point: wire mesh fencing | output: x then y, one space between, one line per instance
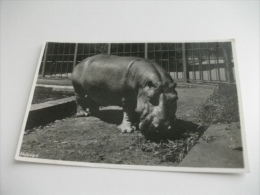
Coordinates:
188 62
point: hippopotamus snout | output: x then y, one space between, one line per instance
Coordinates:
162 117
155 128
162 124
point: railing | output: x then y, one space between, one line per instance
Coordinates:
188 62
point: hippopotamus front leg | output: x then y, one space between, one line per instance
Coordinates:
86 106
129 118
127 125
81 105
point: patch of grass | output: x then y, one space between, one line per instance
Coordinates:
221 106
169 151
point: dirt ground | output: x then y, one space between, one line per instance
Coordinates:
98 140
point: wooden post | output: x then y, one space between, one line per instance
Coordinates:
75 55
146 50
109 49
44 59
184 62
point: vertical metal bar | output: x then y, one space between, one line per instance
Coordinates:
109 48
193 60
168 56
209 66
75 55
68 62
185 68
137 50
124 49
66 55
53 56
141 53
177 71
154 52
63 53
130 50
61 67
200 65
146 50
129 53
57 54
89 47
218 65
159 54
44 59
83 52
228 67
176 60
51 59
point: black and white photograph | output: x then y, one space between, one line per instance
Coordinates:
129 97
169 106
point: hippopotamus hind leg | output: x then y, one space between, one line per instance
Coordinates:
85 106
92 107
81 105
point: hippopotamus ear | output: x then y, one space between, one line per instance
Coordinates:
141 101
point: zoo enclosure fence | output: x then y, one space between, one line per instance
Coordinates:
187 62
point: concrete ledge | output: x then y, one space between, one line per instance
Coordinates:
54 81
44 113
197 85
221 150
50 89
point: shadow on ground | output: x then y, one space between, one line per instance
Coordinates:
181 126
111 116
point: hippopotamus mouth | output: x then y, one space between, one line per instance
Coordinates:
159 130
148 125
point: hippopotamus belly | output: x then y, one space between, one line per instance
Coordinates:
144 90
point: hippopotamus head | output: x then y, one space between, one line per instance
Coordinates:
157 105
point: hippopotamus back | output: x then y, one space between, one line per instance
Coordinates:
106 78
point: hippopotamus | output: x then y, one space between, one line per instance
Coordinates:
145 91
